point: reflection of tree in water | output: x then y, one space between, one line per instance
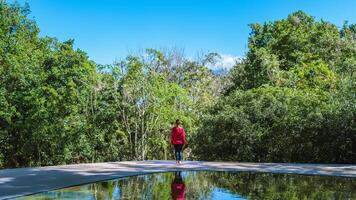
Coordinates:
285 186
97 191
198 186
159 186
103 190
146 187
201 185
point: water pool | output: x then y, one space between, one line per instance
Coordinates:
210 185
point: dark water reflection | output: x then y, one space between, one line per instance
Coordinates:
211 185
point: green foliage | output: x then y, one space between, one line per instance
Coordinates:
59 107
150 94
315 74
276 48
292 99
270 124
43 86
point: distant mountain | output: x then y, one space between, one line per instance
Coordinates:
220 71
224 63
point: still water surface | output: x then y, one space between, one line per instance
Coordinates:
210 185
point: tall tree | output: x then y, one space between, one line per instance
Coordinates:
291 100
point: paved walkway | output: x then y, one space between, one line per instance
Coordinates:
24 181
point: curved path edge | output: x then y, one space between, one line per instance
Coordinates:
25 181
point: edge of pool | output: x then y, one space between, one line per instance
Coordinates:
27 181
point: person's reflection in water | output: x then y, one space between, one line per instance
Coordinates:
178 187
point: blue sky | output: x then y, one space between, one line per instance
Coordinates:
111 29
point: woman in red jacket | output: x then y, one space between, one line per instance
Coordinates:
178 140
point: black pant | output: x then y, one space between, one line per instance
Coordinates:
178 151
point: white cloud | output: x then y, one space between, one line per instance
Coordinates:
225 62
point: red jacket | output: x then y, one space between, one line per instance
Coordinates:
178 136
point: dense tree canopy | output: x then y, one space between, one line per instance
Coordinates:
44 85
59 107
291 100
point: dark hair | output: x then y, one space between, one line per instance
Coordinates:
178 122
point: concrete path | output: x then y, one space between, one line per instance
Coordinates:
24 181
